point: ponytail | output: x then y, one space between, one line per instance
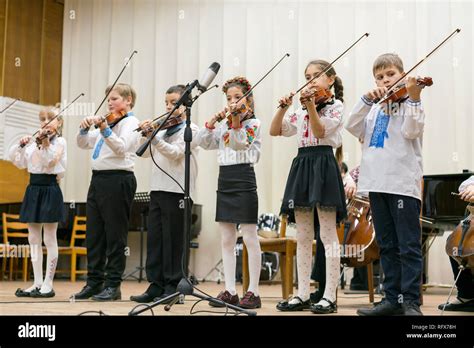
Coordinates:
338 89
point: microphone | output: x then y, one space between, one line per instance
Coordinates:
208 77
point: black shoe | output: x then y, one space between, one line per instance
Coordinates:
317 308
412 309
286 306
37 293
383 308
143 298
462 306
316 296
22 293
87 292
108 294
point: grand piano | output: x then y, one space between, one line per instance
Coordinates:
442 211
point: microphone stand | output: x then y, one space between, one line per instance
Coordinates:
185 286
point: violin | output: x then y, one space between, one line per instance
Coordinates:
243 110
111 118
460 244
400 92
49 133
157 123
357 235
320 95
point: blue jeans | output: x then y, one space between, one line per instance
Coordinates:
398 233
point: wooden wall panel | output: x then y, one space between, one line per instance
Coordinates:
50 88
3 22
23 50
13 182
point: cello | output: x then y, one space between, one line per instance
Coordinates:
460 243
357 235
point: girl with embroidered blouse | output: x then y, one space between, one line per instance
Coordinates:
237 140
314 189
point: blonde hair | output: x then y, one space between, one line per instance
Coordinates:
125 91
51 111
387 60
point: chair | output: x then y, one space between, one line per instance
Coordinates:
287 249
13 228
78 232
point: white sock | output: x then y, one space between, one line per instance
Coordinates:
52 259
36 253
304 252
327 221
249 232
229 238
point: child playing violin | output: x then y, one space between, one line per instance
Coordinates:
165 243
42 207
391 173
238 143
314 191
111 192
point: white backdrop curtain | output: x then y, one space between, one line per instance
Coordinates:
177 41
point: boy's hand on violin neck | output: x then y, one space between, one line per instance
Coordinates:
414 91
146 127
376 93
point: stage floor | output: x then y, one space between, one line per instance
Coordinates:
61 305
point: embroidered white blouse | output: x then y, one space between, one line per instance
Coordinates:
298 123
235 146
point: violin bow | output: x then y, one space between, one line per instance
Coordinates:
9 106
55 117
329 66
415 66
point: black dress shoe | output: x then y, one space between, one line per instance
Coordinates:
87 292
412 309
143 298
22 293
383 308
287 306
37 293
328 308
108 294
462 306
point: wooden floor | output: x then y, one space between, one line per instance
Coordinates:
61 305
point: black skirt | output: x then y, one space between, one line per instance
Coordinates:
43 201
314 181
237 199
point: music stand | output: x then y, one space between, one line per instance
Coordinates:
142 198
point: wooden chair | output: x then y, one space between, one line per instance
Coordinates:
13 228
287 249
78 232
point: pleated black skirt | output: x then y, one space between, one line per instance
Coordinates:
314 181
43 201
237 199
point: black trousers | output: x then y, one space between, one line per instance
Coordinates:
165 242
109 201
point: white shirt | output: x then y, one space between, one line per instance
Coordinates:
118 149
168 152
392 158
50 160
236 146
466 183
299 123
